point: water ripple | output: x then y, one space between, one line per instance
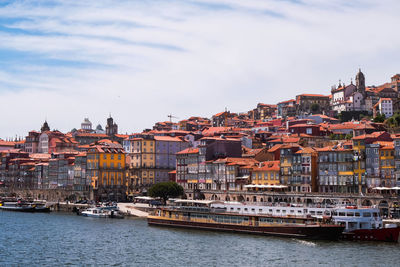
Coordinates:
63 239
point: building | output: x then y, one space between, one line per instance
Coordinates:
111 127
304 176
351 97
86 125
287 153
55 141
32 142
312 104
266 173
387 164
106 170
187 170
286 108
166 148
384 106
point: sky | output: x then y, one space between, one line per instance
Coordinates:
139 61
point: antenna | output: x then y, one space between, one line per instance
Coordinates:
170 116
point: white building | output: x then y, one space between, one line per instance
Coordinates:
384 106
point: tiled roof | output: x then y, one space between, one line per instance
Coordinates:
268 166
189 150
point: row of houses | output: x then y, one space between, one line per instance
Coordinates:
364 164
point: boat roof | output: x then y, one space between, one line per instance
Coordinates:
206 202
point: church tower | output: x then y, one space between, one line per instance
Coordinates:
45 127
111 127
360 82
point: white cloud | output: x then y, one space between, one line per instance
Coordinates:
145 59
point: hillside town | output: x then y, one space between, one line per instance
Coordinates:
345 142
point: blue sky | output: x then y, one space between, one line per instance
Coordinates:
142 60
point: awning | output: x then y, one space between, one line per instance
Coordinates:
144 198
380 188
243 177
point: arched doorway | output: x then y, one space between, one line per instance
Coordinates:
384 208
227 198
366 203
240 198
214 197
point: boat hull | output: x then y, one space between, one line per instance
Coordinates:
315 232
384 234
20 209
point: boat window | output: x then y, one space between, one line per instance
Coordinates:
357 214
334 213
259 210
278 210
245 209
270 210
238 208
283 211
299 211
291 211
375 214
319 212
253 209
350 214
366 214
312 212
342 214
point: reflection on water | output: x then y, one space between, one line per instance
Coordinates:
64 239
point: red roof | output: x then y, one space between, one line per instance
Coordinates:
189 150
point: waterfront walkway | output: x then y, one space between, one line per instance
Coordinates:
133 209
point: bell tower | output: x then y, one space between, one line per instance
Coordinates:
360 82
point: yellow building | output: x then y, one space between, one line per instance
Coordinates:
106 168
267 173
359 161
142 162
387 165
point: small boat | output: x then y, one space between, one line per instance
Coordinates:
41 207
103 212
201 214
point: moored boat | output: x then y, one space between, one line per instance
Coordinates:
17 206
361 223
103 212
365 224
198 214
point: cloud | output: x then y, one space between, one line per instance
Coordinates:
142 60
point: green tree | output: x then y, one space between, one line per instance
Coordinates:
379 118
166 190
349 136
314 108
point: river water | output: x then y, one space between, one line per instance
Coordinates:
59 239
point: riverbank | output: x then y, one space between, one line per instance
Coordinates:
128 209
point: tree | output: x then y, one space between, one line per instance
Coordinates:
166 190
314 108
349 136
379 118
